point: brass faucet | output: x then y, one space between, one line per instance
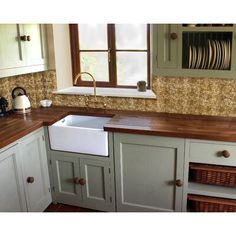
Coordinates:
94 81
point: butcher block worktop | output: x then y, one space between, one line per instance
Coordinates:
16 126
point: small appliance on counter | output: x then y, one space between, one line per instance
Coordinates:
21 103
3 106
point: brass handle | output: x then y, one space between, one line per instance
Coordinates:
30 179
178 183
225 154
82 181
76 180
23 38
173 35
28 38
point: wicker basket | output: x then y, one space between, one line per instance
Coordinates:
199 203
213 174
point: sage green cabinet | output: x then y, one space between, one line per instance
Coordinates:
83 180
12 198
148 170
165 46
23 49
211 153
195 50
35 171
24 178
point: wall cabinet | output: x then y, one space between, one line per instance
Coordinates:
24 175
194 50
149 172
23 49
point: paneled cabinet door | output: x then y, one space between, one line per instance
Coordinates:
12 197
165 46
66 176
149 172
97 184
10 47
34 46
35 172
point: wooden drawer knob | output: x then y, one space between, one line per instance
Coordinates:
178 183
30 179
225 154
28 38
82 181
76 180
173 35
23 38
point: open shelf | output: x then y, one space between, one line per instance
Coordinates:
211 190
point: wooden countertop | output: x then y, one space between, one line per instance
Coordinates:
16 126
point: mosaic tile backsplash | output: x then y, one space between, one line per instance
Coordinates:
201 96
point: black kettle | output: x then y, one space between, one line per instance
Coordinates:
3 106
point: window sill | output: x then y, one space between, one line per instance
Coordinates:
109 92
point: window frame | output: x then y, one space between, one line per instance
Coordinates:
75 57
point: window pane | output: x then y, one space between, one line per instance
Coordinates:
131 67
95 63
93 36
131 36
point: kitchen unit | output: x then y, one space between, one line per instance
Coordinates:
24 174
148 156
197 50
152 160
23 49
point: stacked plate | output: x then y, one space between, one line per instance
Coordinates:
216 55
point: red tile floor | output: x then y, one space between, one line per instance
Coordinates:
66 208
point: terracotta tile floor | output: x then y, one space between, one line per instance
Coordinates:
66 208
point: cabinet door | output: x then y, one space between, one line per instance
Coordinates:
147 168
165 46
10 47
34 45
35 172
66 173
97 185
12 197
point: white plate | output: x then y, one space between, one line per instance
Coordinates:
222 55
206 57
199 56
229 53
190 57
213 62
218 55
203 58
194 57
209 54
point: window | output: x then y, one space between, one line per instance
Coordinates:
117 55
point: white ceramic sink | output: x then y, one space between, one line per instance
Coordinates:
81 134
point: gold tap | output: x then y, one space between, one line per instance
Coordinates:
94 81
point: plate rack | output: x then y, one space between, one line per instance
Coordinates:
207 50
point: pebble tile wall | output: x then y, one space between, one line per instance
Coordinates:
201 96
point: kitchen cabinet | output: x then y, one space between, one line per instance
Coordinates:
198 50
165 45
35 172
12 198
24 178
149 172
83 180
208 172
23 49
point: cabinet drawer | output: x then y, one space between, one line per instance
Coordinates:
212 152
